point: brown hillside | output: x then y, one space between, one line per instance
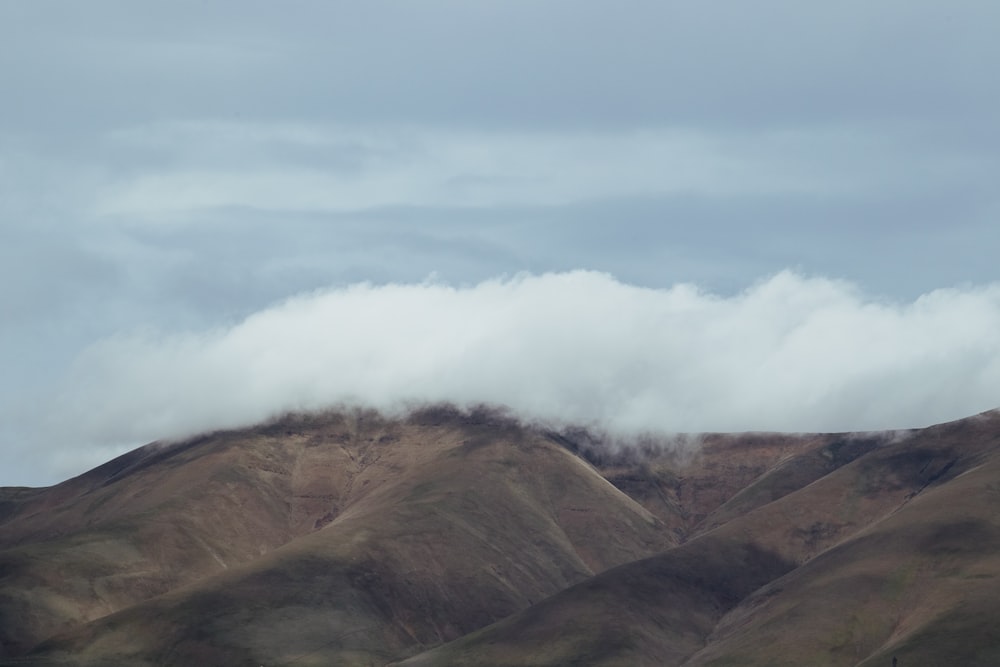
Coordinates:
893 553
467 538
423 529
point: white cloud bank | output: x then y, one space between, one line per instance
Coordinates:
790 353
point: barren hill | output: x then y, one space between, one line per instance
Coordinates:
450 537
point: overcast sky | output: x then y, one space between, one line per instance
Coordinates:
658 215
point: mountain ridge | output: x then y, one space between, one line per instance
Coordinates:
355 538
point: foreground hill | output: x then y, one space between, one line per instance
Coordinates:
449 537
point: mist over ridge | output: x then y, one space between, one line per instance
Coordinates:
789 353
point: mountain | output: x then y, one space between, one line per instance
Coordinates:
451 537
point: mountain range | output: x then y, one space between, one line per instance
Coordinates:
466 537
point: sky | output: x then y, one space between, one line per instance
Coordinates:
644 216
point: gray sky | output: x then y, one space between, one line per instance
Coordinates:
169 170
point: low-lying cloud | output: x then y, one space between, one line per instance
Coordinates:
790 353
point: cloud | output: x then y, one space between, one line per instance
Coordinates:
181 168
789 353
302 167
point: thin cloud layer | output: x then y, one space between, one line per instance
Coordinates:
790 353
359 168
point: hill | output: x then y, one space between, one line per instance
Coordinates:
465 537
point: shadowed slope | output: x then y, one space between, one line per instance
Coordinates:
656 611
695 484
921 584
